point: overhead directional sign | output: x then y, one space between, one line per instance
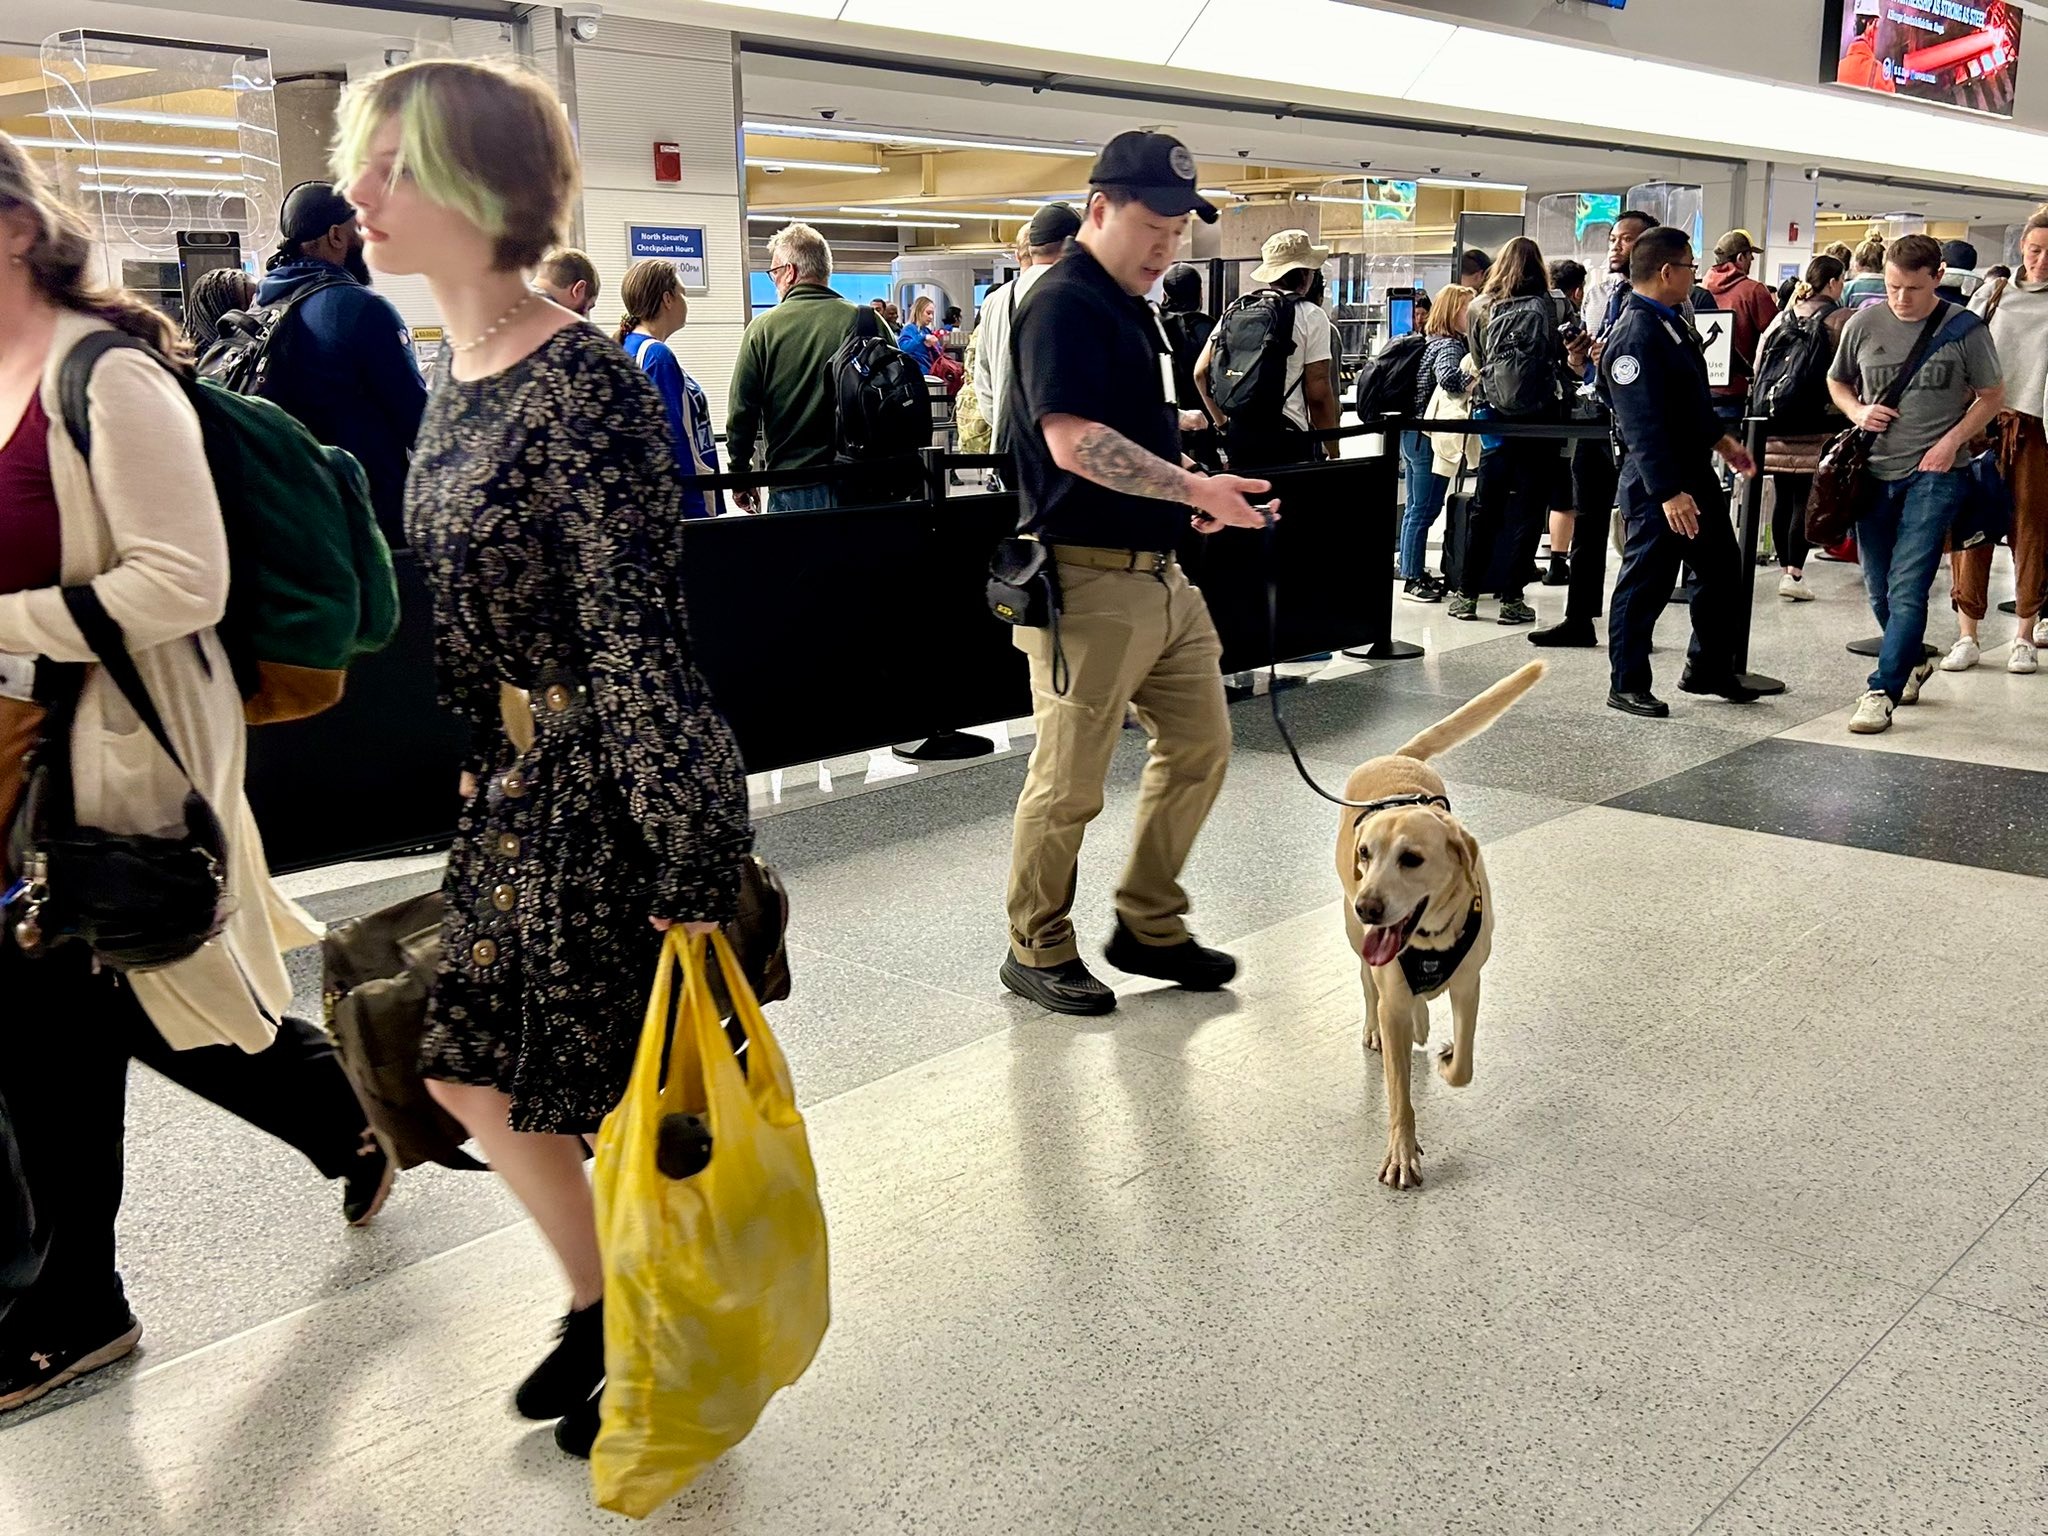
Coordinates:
1717 338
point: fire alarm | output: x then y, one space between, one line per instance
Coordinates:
668 162
1792 234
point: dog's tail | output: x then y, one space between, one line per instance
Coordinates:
1469 720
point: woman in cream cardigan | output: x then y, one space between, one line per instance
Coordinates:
143 528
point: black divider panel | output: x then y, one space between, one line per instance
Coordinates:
1330 553
813 628
973 672
377 772
822 633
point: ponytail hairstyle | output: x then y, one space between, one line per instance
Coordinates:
644 289
60 261
1820 272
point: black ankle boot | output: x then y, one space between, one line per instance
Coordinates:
564 1381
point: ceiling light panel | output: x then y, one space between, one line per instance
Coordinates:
805 218
1142 33
782 163
830 133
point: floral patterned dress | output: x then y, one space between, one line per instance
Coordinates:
544 505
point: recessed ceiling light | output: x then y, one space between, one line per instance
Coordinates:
869 136
804 218
774 163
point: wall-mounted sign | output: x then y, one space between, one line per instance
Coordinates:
681 244
1956 53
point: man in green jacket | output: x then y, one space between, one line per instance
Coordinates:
781 402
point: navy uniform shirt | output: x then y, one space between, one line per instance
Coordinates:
1654 377
1081 346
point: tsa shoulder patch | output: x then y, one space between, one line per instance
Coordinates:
1626 370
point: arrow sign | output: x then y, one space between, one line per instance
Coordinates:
1718 342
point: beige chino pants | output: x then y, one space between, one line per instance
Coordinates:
1137 638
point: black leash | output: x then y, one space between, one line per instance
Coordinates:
1280 724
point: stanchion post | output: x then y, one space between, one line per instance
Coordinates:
1747 543
947 745
1380 605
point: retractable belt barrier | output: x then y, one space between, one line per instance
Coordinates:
829 632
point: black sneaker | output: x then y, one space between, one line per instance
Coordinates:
365 1189
1726 686
1186 964
577 1431
564 1381
1067 988
44 1360
1422 590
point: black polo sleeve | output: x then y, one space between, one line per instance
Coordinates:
1060 335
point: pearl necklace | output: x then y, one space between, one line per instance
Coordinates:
497 325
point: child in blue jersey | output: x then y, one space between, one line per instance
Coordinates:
655 310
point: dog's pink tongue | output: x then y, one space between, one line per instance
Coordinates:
1382 944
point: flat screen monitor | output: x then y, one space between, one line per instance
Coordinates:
1954 53
1400 314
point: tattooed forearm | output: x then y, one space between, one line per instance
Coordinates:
1109 458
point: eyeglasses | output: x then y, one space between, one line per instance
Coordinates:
1684 266
786 266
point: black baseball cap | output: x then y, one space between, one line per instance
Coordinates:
1157 167
311 209
1052 224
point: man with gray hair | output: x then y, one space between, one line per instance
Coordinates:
1045 238
780 412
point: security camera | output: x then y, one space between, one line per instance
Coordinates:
583 18
396 51
1811 173
1244 154
1365 165
828 113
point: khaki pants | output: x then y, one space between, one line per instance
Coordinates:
2025 456
1134 638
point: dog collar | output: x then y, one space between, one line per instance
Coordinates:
1429 971
1394 802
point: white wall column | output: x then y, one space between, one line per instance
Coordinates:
640 83
1794 203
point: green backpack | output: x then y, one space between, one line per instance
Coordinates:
310 585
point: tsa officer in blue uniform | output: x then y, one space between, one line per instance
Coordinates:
1654 377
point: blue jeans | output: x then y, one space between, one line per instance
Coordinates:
802 498
1426 491
1899 542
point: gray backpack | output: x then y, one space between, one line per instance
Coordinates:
1521 374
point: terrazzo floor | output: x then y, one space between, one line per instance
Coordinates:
1742 1227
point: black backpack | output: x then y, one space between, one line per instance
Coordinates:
1387 385
1248 354
1520 377
882 408
252 341
1790 390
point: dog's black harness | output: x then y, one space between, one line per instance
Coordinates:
1429 971
1395 802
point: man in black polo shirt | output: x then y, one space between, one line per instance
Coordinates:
1092 418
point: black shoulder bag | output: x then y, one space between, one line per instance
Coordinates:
137 902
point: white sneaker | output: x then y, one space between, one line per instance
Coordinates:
1961 656
2024 658
1910 694
1794 588
1873 713
2041 630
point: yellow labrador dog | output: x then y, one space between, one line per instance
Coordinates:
1418 909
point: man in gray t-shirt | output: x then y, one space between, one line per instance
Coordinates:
1875 347
1917 456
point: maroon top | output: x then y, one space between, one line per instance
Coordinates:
31 544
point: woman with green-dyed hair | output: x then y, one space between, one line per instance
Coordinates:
543 503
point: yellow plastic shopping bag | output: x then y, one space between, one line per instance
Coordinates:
716 1288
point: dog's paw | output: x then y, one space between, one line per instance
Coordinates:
1403 1166
1453 1071
1372 1039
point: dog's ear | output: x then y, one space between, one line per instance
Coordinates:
1466 847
